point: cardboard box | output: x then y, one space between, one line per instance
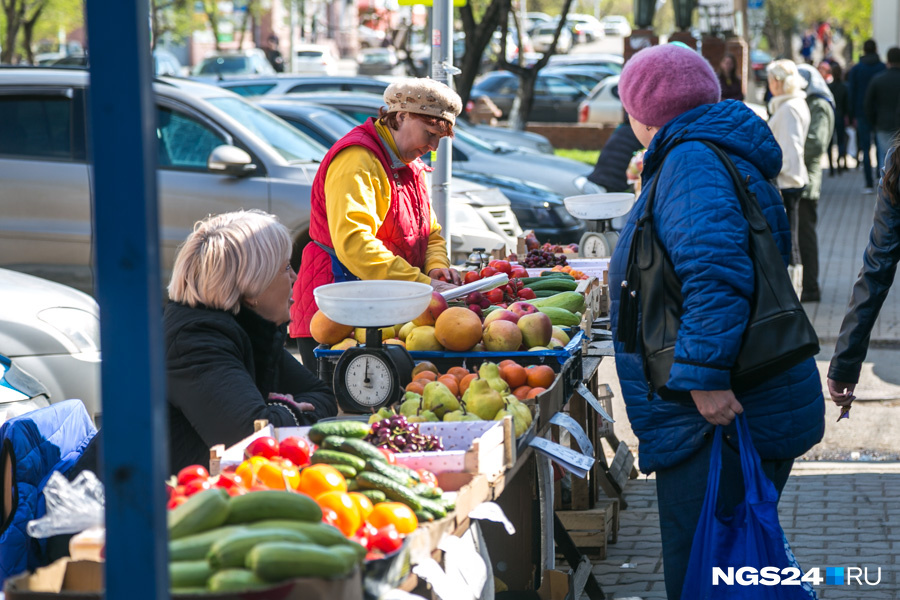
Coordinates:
83 580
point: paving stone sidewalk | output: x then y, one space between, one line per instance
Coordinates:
834 515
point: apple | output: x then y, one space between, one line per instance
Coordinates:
502 336
502 266
536 329
436 306
523 308
503 315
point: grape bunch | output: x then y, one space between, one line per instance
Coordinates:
541 258
399 435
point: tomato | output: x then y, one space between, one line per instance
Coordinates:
363 538
494 296
197 485
363 504
348 519
518 272
471 276
387 539
229 480
316 480
527 294
488 272
295 450
388 455
395 514
188 474
277 477
262 446
248 469
329 516
176 501
427 477
502 266
374 555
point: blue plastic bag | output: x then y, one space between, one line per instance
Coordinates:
752 537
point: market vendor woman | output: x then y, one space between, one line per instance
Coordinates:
224 338
371 212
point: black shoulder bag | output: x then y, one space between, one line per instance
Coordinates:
778 334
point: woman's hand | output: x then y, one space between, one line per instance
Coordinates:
719 407
441 286
841 393
446 276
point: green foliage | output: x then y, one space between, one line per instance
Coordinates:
65 15
586 156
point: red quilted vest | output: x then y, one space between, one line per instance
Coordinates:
404 232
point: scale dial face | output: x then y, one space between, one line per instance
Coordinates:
595 245
368 380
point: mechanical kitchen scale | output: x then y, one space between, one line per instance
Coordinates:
598 210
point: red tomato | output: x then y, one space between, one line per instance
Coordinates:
387 539
262 446
388 455
427 477
494 296
188 474
170 492
176 501
364 536
329 516
197 485
487 272
527 294
295 450
229 481
518 272
374 555
471 276
502 266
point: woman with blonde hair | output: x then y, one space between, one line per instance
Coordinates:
225 330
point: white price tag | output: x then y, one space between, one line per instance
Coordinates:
592 400
567 458
491 511
575 430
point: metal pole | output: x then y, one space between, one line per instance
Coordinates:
442 70
122 119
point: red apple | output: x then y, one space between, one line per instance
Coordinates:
523 308
503 315
518 272
435 308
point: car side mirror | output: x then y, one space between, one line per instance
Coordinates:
230 160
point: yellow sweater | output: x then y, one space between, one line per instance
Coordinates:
357 198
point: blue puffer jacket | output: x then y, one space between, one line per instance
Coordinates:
38 443
698 219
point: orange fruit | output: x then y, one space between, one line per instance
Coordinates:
465 381
521 392
363 504
506 363
514 375
348 519
540 376
458 372
451 383
394 513
534 392
427 375
417 387
326 331
316 480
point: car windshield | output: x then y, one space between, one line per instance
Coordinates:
310 54
549 30
291 144
224 65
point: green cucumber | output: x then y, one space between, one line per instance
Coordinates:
273 504
556 274
279 561
347 429
189 573
347 471
235 580
391 489
432 506
375 496
401 475
231 551
196 547
362 449
544 293
201 512
320 533
424 516
559 284
428 491
332 442
336 457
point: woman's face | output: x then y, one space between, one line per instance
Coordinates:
274 304
414 137
642 132
776 86
727 64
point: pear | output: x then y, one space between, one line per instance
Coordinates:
429 417
438 398
518 424
491 372
411 405
520 409
453 416
483 400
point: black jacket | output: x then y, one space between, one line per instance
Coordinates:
869 291
609 171
221 369
883 100
841 100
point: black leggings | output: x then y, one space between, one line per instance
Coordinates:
306 347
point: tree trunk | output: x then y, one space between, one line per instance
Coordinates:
478 35
12 31
154 25
212 13
28 32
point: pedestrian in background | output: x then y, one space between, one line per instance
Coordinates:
807 46
869 292
672 98
881 105
821 128
833 74
732 88
273 54
858 80
790 125
612 164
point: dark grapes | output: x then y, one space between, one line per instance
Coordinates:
397 434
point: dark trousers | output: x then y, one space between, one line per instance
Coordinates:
680 491
306 347
864 144
839 139
791 197
809 244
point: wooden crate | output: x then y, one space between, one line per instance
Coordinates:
593 529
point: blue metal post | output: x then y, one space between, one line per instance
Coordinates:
128 287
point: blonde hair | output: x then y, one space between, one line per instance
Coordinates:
785 71
228 258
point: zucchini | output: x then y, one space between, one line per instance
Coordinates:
278 561
556 274
203 511
375 496
391 489
571 301
196 547
348 472
362 449
560 316
544 293
189 573
336 457
234 580
332 442
347 429
231 551
273 504
560 284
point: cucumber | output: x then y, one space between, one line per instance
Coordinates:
560 284
560 316
332 442
196 547
231 551
391 489
544 293
362 449
189 573
375 496
424 490
348 472
278 561
556 274
424 516
273 504
389 471
336 457
233 580
433 506
348 554
347 429
320 533
203 511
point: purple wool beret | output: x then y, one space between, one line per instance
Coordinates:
662 82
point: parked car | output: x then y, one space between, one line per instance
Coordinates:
49 345
556 97
542 209
610 61
603 105
585 28
616 25
378 61
370 38
164 63
239 62
759 60
317 59
534 19
587 76
291 84
470 154
542 37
